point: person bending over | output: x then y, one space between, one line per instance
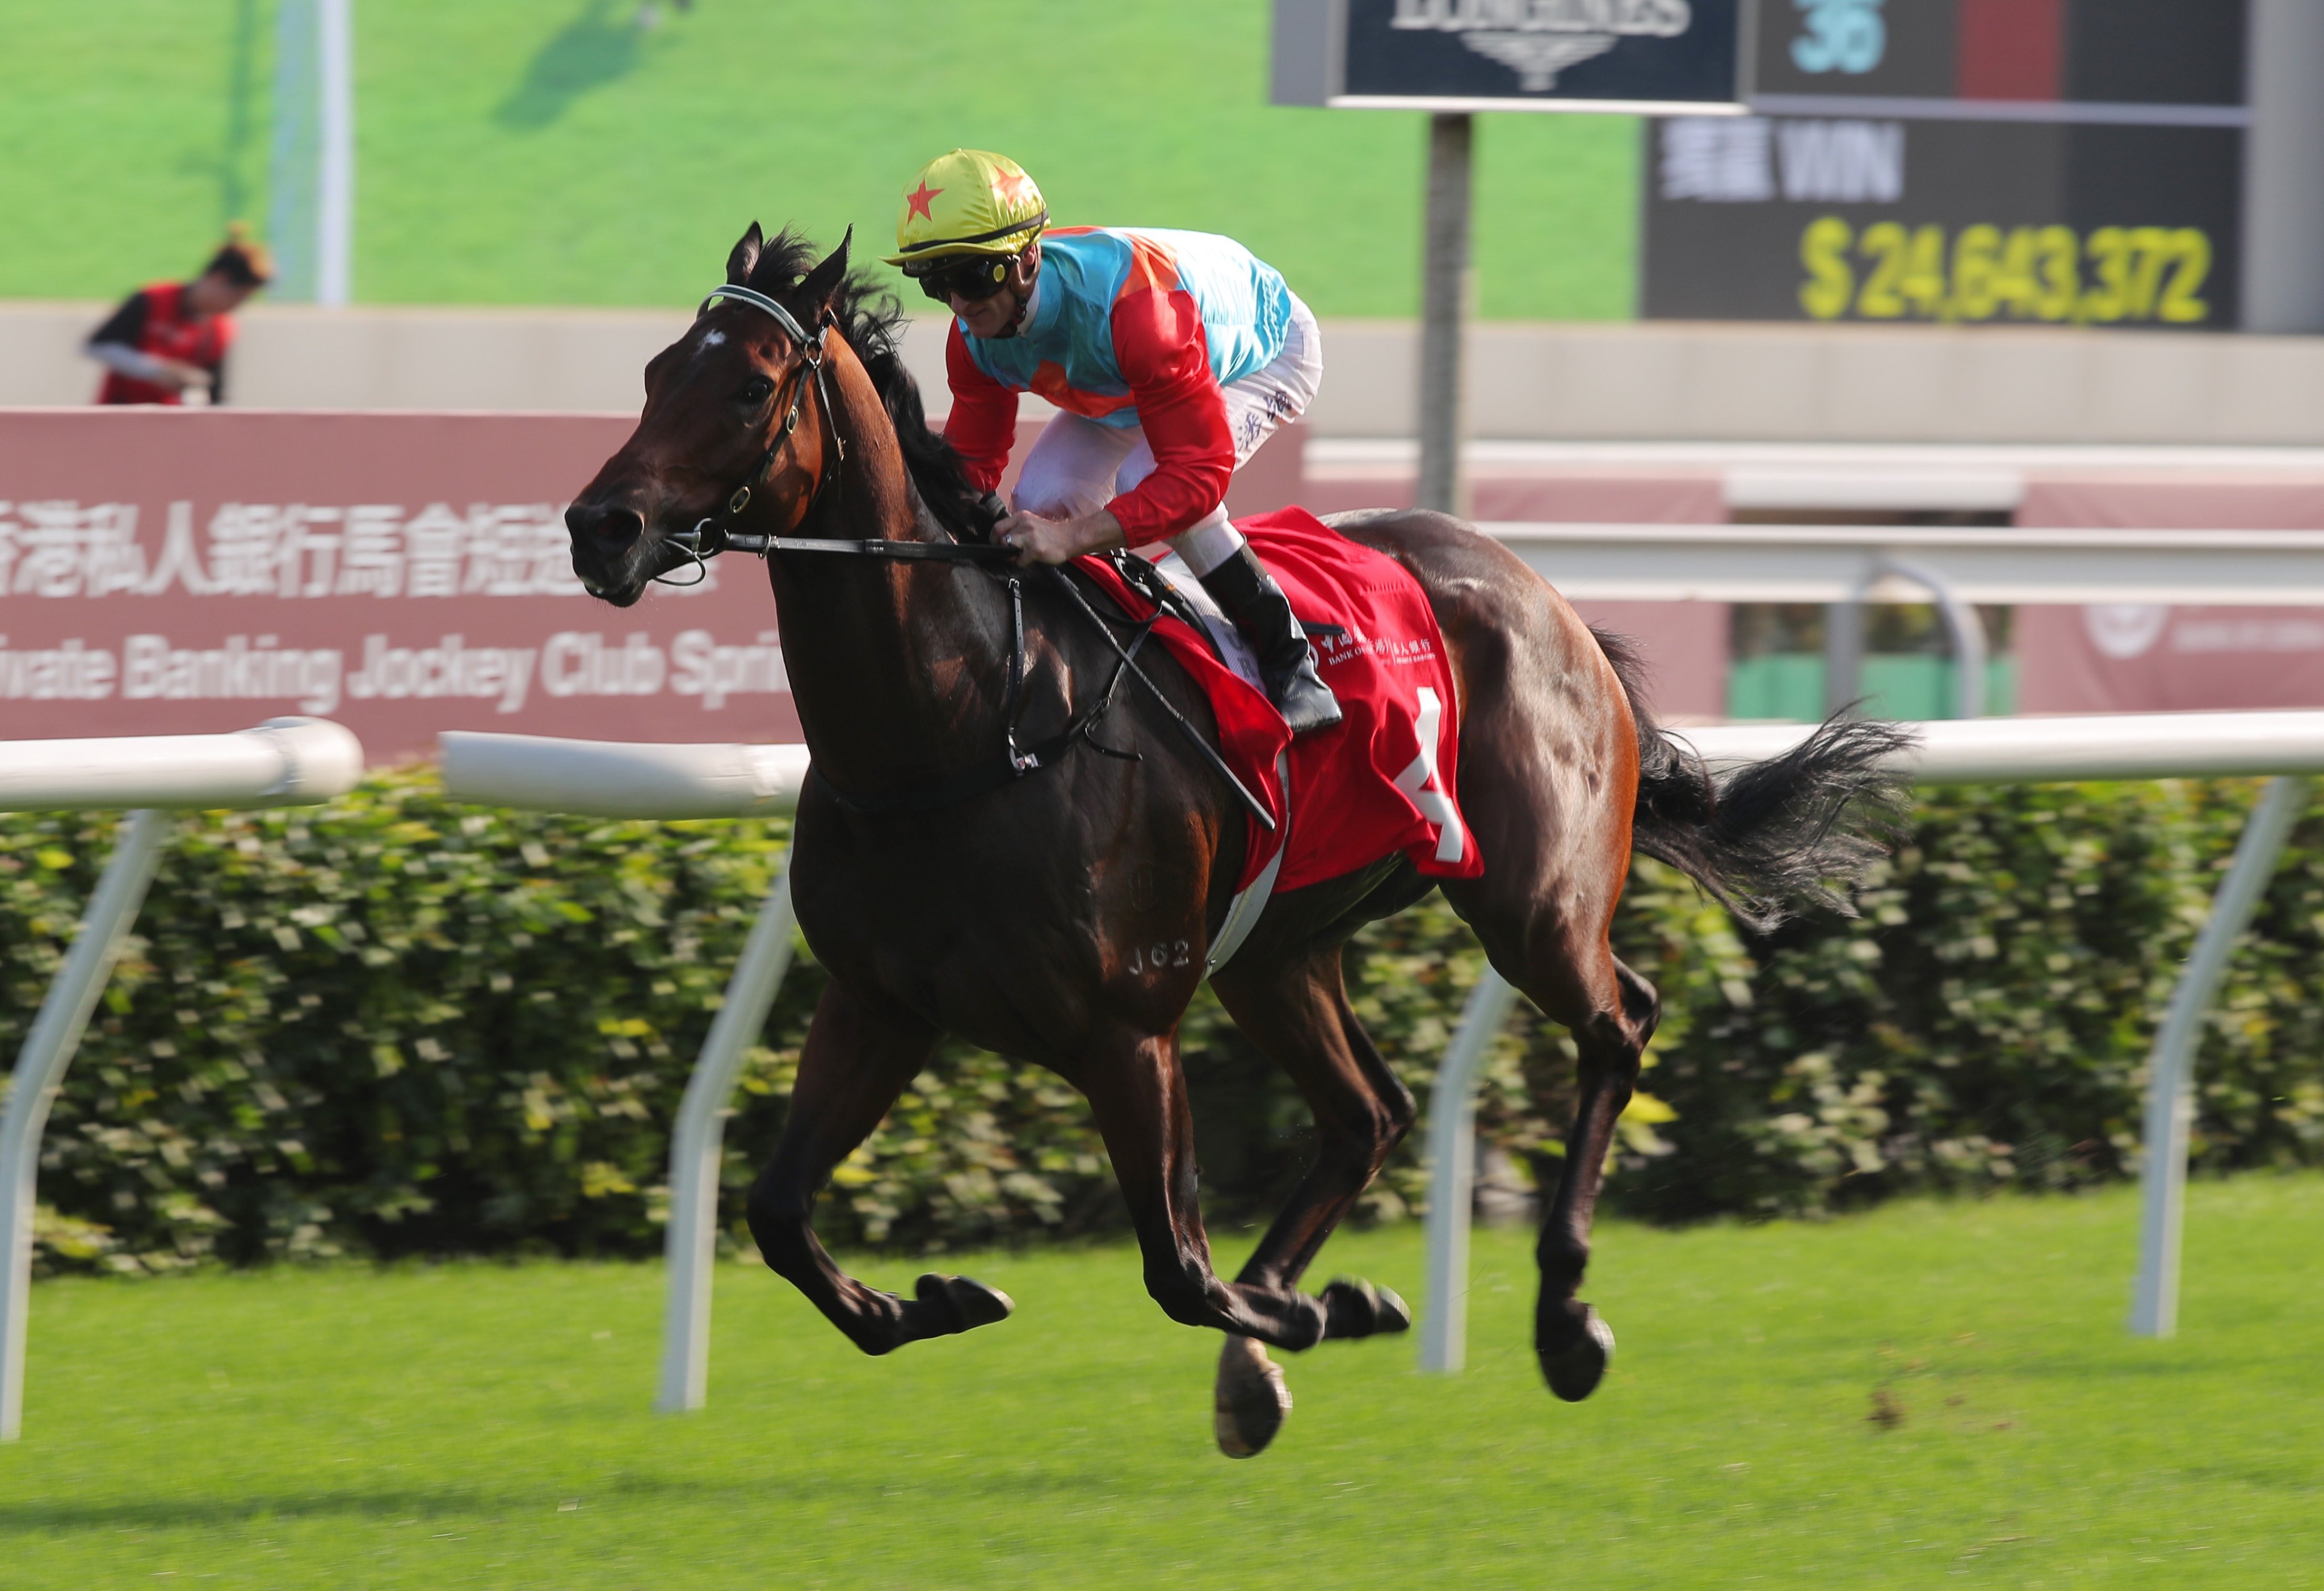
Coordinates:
174 335
1173 355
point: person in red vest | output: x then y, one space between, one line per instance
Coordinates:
174 335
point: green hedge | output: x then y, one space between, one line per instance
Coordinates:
394 1025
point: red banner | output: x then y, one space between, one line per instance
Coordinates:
177 572
2146 658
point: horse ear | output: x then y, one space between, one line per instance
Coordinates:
823 281
745 257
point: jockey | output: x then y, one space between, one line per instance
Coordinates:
1172 355
172 336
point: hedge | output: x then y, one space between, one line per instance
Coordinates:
396 1026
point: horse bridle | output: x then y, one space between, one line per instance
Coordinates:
714 534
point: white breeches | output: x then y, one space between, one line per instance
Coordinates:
1077 466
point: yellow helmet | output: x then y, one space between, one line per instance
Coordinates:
968 202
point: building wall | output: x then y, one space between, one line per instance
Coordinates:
1667 382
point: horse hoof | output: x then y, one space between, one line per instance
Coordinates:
965 1304
1574 1370
1357 1309
1252 1401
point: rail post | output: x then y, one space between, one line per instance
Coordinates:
283 763
617 778
1444 313
695 1156
2170 1071
1452 1172
1844 638
40 1070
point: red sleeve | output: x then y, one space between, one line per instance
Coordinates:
1161 350
982 424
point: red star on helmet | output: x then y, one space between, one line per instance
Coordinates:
918 200
1011 187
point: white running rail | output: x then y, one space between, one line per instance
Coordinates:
2289 746
613 778
2002 563
283 762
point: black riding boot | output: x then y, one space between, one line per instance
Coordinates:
1251 597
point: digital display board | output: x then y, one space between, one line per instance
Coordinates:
2001 57
1815 218
1508 54
2034 161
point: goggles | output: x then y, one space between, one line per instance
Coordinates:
974 277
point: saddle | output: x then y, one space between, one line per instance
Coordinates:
1382 779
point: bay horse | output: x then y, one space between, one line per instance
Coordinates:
1013 910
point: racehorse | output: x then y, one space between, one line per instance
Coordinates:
946 889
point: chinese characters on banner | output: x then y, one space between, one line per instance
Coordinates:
188 572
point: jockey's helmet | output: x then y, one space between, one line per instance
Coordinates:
968 202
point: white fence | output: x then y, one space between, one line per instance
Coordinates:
292 761
2002 564
607 779
284 762
1987 751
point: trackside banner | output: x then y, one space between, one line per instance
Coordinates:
189 571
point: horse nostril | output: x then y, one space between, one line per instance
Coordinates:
617 528
612 528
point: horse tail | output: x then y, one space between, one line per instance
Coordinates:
1772 837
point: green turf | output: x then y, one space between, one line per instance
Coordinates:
479 1425
547 152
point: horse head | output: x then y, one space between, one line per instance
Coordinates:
734 424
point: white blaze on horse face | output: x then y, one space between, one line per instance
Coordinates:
710 339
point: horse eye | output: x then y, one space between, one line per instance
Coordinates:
757 389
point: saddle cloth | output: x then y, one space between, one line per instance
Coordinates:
1384 779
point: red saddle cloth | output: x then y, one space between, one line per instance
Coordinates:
1383 780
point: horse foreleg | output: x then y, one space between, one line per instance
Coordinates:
1139 1096
858 1057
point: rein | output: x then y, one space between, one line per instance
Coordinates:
715 534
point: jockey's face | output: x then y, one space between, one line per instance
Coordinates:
997 315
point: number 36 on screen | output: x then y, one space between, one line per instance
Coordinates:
1890 272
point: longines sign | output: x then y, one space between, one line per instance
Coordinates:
1629 55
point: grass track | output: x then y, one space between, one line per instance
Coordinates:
546 152
477 1425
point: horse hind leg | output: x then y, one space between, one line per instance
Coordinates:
858 1057
1572 1343
1298 1015
1567 967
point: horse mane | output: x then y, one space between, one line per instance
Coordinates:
872 321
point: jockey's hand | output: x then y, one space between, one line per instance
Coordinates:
1058 541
